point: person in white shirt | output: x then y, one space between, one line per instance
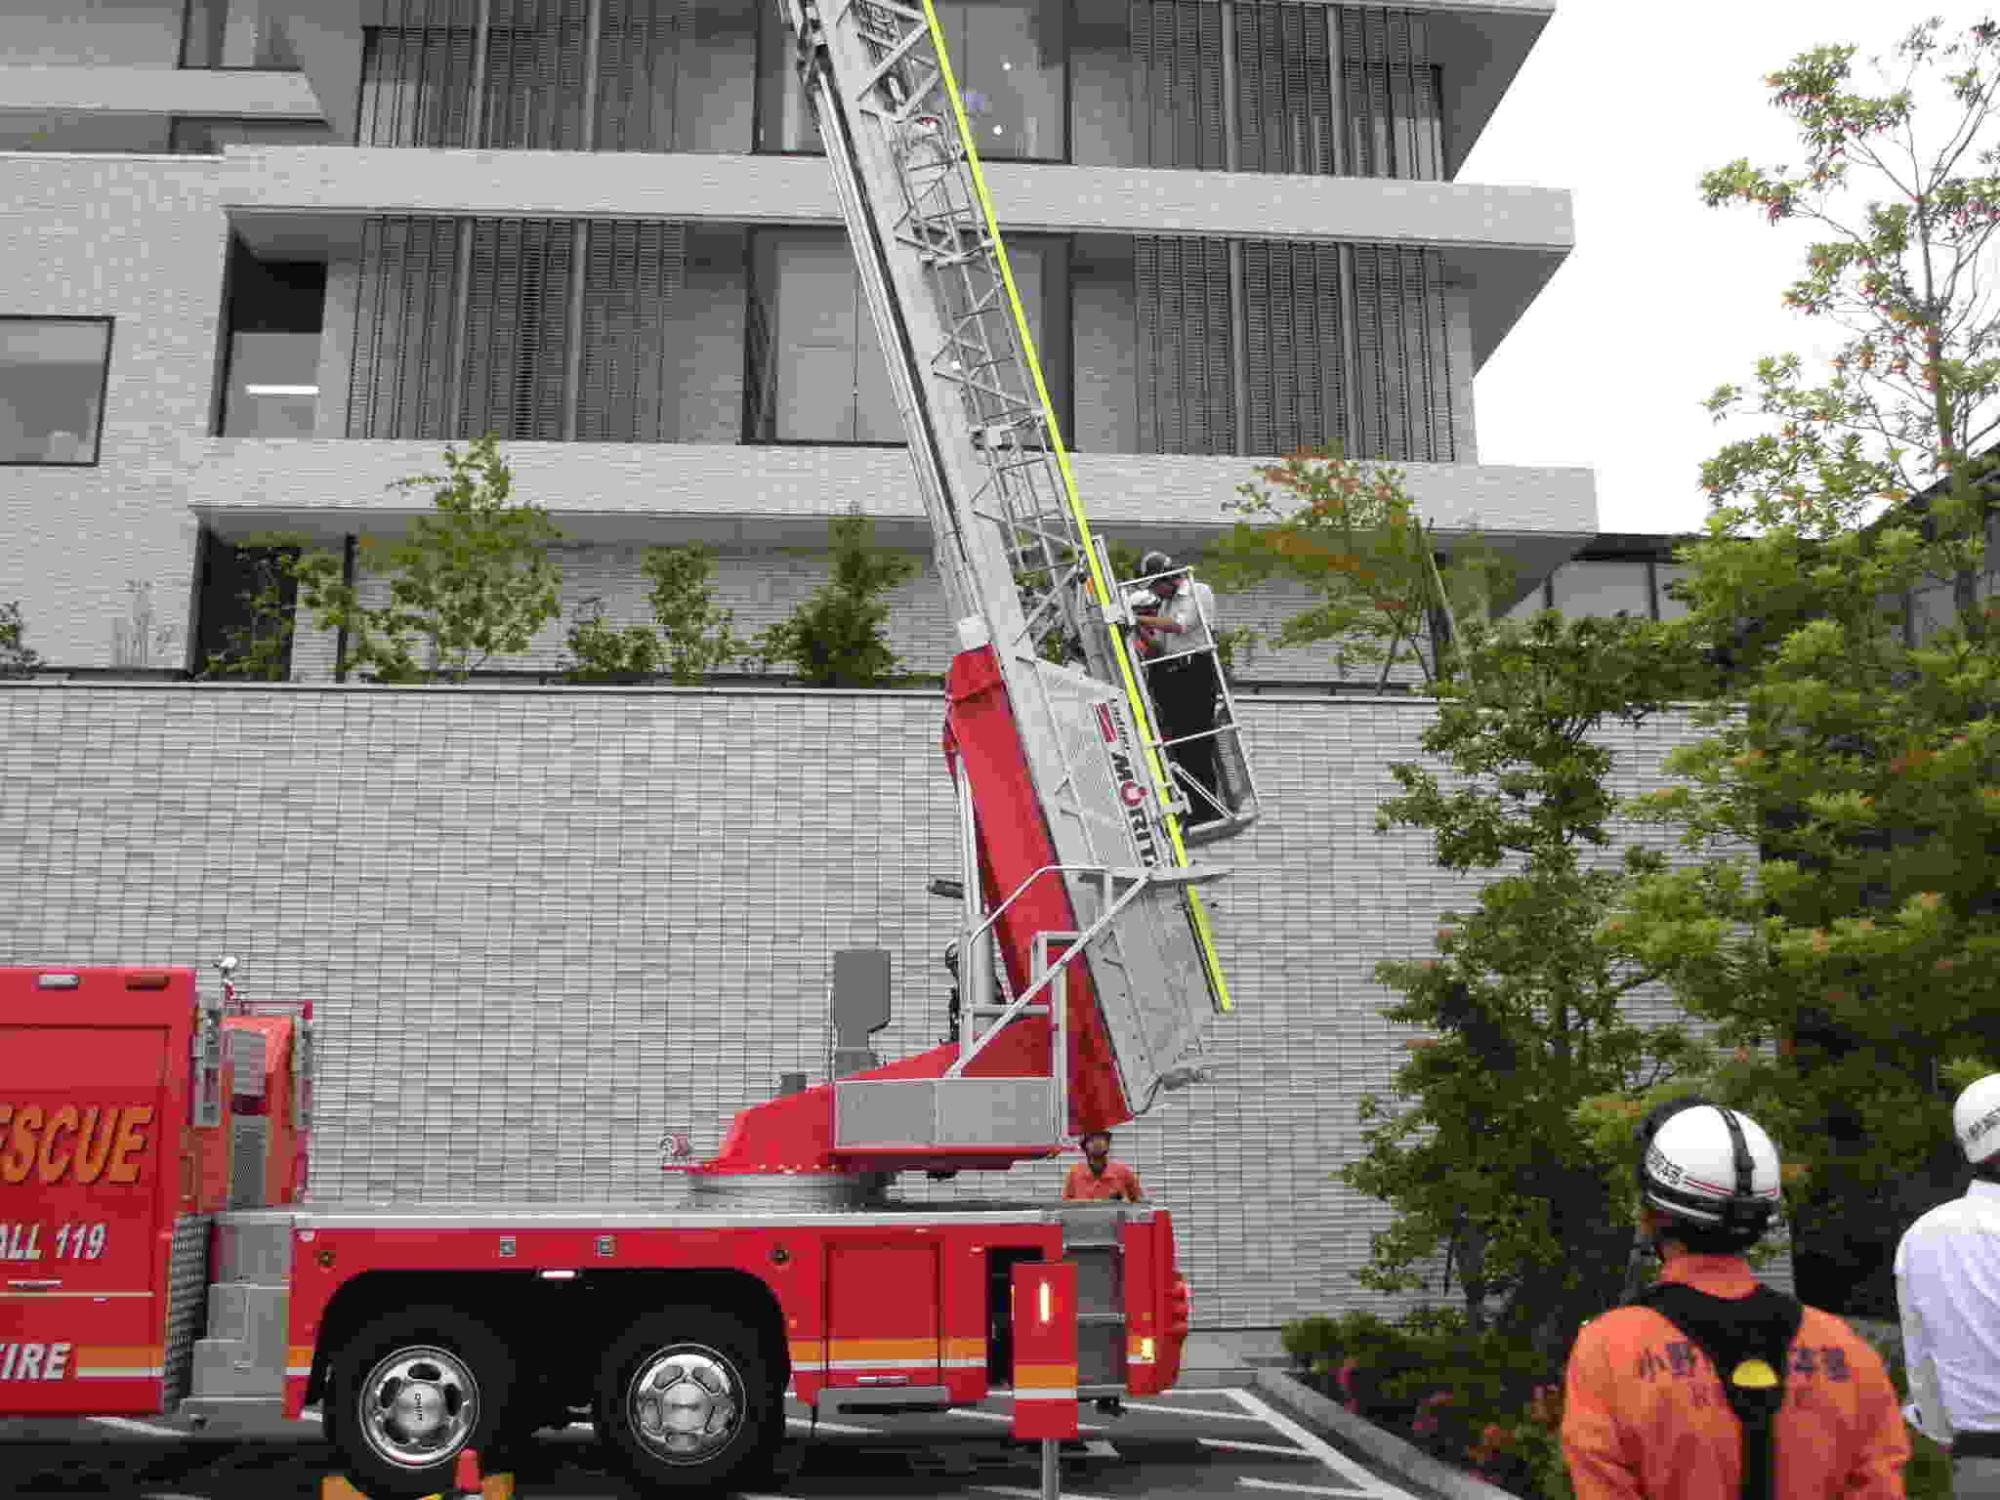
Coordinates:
1184 686
1948 1293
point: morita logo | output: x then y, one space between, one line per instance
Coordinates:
1130 791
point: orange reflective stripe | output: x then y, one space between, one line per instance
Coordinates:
112 1361
920 1351
1044 1377
889 1351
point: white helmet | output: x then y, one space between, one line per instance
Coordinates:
1704 1164
1975 1119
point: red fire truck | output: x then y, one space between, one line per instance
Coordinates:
159 1251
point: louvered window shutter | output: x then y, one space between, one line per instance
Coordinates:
1284 113
1394 117
416 74
1177 68
1186 394
517 329
1252 94
1404 353
534 74
638 73
633 277
1292 298
402 340
1368 352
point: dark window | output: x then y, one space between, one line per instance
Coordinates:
273 319
234 34
53 373
245 605
618 353
670 75
1150 84
817 373
195 135
1007 55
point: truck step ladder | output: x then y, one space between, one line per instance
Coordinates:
1022 572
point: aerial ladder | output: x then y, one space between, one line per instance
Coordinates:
1086 953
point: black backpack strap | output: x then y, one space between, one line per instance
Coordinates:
1748 1341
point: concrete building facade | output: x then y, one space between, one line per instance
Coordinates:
274 256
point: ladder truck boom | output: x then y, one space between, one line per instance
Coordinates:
1077 873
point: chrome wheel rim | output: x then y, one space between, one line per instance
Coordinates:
418 1406
684 1403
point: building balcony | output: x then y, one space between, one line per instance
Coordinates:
1499 244
663 494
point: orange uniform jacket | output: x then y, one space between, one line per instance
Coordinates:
1645 1417
1118 1181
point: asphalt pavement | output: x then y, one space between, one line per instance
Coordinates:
1199 1444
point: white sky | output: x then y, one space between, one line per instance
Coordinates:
1663 299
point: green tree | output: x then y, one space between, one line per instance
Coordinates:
611 653
1486 1164
699 635
691 637
16 659
471 581
1864 939
839 637
1351 534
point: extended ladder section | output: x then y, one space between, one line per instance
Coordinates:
1030 588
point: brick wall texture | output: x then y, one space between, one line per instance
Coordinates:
545 925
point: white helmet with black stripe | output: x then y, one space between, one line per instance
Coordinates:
1706 1165
1975 1120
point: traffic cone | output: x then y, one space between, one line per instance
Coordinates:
468 1483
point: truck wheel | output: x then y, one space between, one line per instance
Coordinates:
688 1401
410 1390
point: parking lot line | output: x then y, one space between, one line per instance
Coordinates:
1319 1448
1230 1446
128 1424
1193 1411
1021 1494
1003 1416
1298 1489
839 1427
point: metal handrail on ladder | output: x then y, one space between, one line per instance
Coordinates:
1139 880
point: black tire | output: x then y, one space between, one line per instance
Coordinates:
693 1349
464 1364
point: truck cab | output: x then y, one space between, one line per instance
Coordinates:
133 1110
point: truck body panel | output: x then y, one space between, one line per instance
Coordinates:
98 1169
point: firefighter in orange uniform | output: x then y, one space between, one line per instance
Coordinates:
1808 1410
1097 1177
